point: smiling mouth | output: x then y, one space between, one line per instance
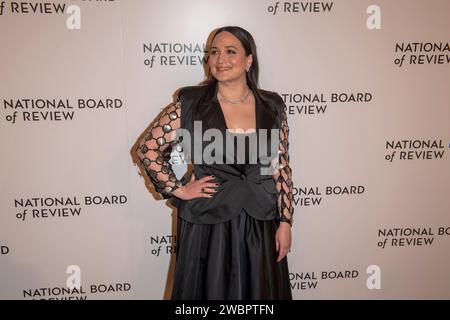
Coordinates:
223 69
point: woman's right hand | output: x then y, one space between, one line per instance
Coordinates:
200 188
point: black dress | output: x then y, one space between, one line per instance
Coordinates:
231 260
226 245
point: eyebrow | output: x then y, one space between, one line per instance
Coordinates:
225 47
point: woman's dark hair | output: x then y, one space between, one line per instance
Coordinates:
249 45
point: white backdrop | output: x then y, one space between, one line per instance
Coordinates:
366 87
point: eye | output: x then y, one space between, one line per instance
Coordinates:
214 52
230 51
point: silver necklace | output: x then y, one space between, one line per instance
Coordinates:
235 101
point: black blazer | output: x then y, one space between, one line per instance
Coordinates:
241 186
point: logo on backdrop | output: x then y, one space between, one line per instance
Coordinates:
426 149
4 250
71 11
173 54
44 7
44 208
35 7
76 293
410 236
312 195
306 7
74 289
38 110
421 53
311 280
310 104
162 244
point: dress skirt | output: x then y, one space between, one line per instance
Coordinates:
232 260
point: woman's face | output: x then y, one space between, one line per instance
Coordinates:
227 60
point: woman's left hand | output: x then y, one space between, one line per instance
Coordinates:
283 240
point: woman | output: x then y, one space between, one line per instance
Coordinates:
234 218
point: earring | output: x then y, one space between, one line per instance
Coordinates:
247 68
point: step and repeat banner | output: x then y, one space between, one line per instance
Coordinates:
366 86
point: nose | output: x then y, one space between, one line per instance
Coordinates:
220 58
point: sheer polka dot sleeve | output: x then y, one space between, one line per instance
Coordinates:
155 147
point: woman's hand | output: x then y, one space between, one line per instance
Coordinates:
283 240
200 188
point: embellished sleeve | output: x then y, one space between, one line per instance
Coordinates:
283 176
155 147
